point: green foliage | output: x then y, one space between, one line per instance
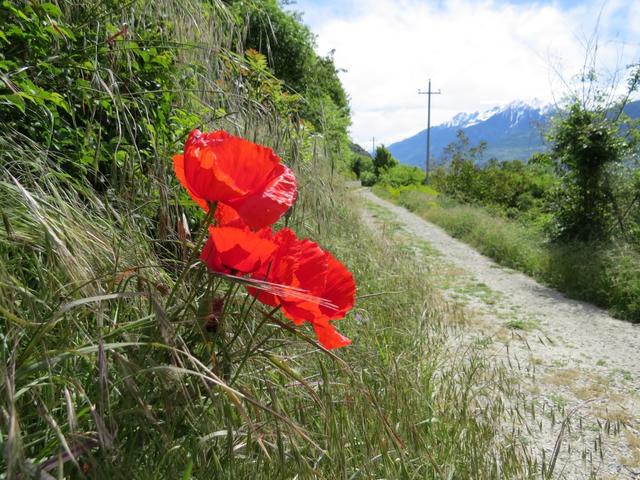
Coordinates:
402 175
459 176
514 189
607 274
288 46
383 160
367 179
361 164
89 105
587 148
263 87
360 160
279 35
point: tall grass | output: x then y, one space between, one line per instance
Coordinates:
607 274
122 359
98 368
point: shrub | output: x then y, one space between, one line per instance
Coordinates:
586 146
367 179
402 176
383 160
361 164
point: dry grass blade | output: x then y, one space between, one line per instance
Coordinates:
96 299
278 289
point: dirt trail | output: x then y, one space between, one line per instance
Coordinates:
577 363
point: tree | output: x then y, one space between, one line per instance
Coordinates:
383 160
587 145
361 164
289 47
462 179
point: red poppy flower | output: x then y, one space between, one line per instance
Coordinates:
237 250
218 167
327 287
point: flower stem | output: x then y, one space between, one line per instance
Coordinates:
194 253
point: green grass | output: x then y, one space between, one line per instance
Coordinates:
99 356
523 324
605 274
104 371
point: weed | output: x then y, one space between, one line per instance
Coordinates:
523 324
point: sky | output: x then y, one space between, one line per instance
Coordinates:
479 53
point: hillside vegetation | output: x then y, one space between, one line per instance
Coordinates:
122 357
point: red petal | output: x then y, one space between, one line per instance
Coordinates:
266 206
300 264
340 289
211 257
329 337
221 167
303 265
281 267
300 312
227 216
178 167
233 249
333 283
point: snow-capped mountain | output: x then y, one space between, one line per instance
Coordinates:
512 131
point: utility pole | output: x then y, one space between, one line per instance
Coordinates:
429 92
373 146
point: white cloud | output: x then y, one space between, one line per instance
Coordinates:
480 53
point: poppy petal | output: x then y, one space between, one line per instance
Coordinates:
279 269
227 216
329 337
178 168
300 312
221 167
266 206
340 289
327 284
231 249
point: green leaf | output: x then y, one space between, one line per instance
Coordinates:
58 101
51 9
187 471
15 100
17 12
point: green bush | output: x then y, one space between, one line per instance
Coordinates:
588 150
402 176
361 164
368 179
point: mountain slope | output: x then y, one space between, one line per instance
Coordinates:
512 132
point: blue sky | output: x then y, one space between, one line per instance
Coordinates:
480 53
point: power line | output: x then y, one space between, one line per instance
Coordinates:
429 92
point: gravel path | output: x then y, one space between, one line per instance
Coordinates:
580 366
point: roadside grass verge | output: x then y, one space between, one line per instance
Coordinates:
102 374
607 275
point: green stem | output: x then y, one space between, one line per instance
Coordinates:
194 253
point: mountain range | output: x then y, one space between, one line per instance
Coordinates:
512 132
